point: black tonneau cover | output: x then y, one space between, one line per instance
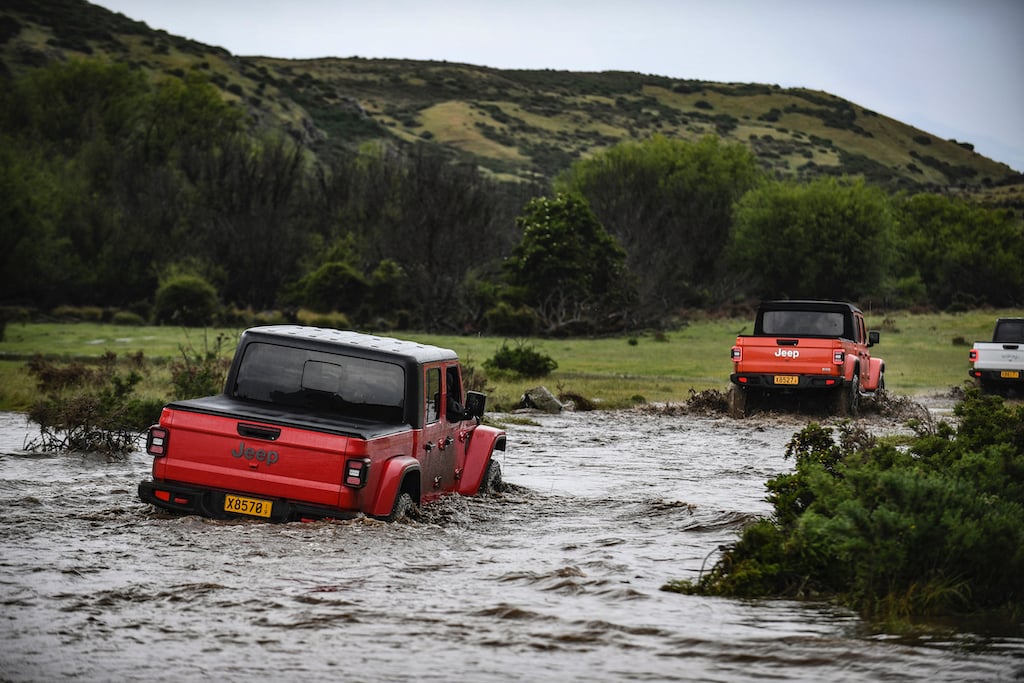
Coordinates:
266 413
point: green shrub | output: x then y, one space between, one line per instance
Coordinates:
933 529
522 360
334 286
127 318
90 408
200 373
184 299
506 319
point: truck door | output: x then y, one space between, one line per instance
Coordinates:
863 354
440 442
456 416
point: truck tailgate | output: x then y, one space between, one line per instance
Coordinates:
236 454
997 356
784 355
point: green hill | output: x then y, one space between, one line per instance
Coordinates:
521 125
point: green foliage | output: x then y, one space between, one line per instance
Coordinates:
98 158
90 409
334 286
936 528
828 239
504 318
127 318
668 202
960 251
522 360
567 267
186 299
200 373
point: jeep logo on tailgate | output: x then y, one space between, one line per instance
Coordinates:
250 453
787 353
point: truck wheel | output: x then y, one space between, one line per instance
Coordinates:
492 482
402 507
737 402
848 398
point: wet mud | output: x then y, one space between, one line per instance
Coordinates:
556 579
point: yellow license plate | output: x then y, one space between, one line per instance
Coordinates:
1010 374
248 506
787 379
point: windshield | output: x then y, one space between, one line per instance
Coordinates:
322 382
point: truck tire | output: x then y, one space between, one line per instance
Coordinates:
737 402
492 482
848 398
402 507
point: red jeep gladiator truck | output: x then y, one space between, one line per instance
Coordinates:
320 423
805 346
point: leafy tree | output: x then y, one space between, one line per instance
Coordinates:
828 239
433 226
567 267
961 253
669 204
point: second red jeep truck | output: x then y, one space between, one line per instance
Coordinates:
806 346
321 423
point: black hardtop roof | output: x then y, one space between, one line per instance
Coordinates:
807 305
352 343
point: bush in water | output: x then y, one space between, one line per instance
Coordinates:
932 528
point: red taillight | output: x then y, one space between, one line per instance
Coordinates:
839 357
156 441
737 354
162 495
972 355
741 380
356 472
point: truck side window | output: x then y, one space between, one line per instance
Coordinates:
433 395
454 410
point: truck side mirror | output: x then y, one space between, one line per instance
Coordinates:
475 403
873 337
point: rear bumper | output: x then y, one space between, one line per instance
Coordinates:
996 376
759 380
194 500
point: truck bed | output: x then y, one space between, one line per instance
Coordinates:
320 421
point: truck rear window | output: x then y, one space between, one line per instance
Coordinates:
1009 331
321 382
803 324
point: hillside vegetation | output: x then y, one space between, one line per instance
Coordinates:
516 124
166 181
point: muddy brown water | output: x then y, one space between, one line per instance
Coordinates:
557 579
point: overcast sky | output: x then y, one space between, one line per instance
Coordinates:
953 68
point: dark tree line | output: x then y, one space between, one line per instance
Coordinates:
111 186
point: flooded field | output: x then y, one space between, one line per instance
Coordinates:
555 580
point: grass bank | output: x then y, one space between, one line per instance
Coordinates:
924 353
